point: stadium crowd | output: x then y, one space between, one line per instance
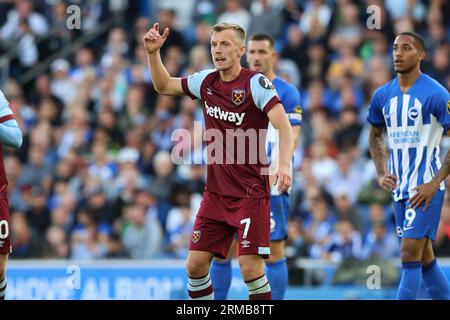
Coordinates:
95 178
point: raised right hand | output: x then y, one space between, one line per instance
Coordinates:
153 41
388 182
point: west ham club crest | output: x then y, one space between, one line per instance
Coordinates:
238 96
196 236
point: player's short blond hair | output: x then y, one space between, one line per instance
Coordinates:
230 26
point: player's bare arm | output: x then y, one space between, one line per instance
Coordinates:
377 148
296 134
425 192
162 81
279 120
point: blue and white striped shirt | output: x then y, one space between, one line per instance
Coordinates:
415 121
290 99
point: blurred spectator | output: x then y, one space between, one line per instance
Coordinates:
344 243
61 217
315 65
93 12
36 172
100 166
345 178
60 34
204 10
347 31
315 19
180 221
107 122
380 243
38 214
76 132
317 229
24 240
345 210
291 12
323 166
129 178
162 129
295 242
264 19
87 245
441 245
95 201
348 63
117 44
42 93
235 13
288 71
27 49
196 181
199 59
85 65
23 13
349 128
145 162
376 215
116 250
135 114
13 169
202 33
62 85
441 63
56 245
142 234
166 19
163 182
399 9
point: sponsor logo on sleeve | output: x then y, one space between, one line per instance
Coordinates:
266 83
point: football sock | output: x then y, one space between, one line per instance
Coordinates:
410 281
259 289
435 281
277 274
2 288
200 288
221 274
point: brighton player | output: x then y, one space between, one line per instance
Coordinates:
261 57
10 135
237 105
415 110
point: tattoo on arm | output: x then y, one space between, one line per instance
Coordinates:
444 170
378 150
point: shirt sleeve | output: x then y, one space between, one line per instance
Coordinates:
10 133
375 116
292 106
440 108
193 83
263 93
5 110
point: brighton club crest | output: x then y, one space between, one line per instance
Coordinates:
196 236
238 96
